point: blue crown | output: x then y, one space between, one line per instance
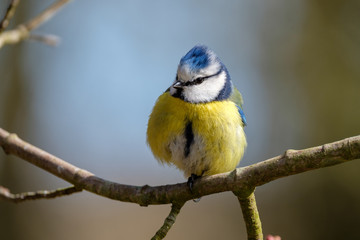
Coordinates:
197 58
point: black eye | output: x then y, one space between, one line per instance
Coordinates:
199 80
196 81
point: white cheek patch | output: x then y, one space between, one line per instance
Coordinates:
206 91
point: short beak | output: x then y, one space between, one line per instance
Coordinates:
177 85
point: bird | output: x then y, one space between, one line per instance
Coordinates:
198 123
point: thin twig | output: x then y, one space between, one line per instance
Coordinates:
169 221
8 15
47 39
22 31
250 215
5 194
45 15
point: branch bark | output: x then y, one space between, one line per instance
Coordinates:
169 221
250 215
5 194
290 163
242 181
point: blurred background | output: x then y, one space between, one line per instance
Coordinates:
88 101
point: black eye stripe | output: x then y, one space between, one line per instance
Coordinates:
199 80
196 81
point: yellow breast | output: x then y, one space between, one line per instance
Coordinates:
218 137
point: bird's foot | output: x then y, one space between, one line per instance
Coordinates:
191 181
190 184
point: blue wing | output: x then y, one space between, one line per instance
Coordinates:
242 115
237 99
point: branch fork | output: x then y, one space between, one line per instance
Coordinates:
241 181
23 31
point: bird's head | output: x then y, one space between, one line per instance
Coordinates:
201 77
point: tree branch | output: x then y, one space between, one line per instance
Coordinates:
169 221
242 181
22 31
45 15
48 39
290 163
250 215
8 15
5 194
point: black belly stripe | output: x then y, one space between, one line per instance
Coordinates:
189 136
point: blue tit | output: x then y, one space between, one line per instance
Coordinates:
197 124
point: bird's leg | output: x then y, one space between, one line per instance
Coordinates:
191 181
190 184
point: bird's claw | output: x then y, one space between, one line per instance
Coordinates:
190 184
191 181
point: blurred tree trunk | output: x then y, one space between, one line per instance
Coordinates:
315 55
12 96
327 65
